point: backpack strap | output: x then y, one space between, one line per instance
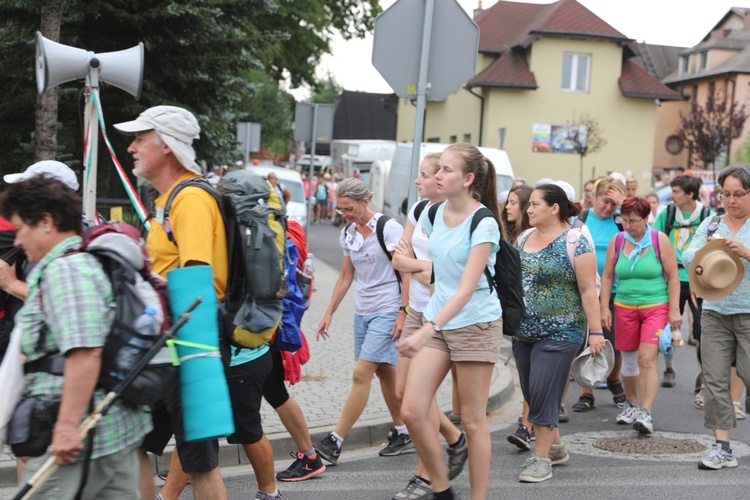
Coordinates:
197 182
419 208
618 218
480 214
571 245
619 242
583 215
671 214
379 232
705 212
432 212
713 225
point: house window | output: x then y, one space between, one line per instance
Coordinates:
684 65
576 72
433 139
453 139
467 138
703 61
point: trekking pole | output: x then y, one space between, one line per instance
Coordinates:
48 469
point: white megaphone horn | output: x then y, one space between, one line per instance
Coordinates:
57 63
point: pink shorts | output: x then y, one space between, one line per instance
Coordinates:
636 325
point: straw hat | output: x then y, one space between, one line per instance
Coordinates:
589 371
715 271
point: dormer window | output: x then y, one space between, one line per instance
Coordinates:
576 72
684 65
702 61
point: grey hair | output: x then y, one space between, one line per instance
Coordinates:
739 172
354 189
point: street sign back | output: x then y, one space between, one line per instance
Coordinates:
398 42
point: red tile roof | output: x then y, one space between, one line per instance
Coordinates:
637 82
512 24
509 70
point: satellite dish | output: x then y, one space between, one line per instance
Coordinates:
57 63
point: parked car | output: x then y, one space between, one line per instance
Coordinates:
321 163
296 208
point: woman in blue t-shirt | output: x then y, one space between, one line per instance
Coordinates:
462 319
560 298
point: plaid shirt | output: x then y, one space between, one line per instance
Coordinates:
73 298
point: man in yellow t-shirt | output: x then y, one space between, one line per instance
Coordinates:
163 154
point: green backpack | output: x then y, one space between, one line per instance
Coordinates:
256 240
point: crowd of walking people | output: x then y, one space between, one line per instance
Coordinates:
607 272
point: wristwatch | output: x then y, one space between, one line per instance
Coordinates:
434 325
404 309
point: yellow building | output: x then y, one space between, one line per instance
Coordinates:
539 69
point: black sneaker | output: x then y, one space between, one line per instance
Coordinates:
457 458
302 468
397 444
585 403
521 438
329 449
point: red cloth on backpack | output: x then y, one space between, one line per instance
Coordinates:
296 233
293 361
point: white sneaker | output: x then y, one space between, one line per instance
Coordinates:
644 424
717 459
629 415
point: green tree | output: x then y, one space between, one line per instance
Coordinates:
200 54
326 91
273 108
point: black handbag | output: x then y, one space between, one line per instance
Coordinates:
30 429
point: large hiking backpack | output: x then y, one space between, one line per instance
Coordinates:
256 240
124 260
507 279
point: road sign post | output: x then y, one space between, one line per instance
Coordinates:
428 63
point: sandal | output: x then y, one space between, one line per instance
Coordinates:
585 403
738 413
618 393
700 401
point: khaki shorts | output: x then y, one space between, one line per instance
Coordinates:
414 321
479 342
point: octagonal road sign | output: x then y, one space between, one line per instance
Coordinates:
398 42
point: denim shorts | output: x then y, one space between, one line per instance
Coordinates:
372 338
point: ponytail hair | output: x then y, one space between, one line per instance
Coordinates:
553 194
484 187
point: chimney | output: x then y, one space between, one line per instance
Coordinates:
479 9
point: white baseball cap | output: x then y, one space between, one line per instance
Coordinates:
570 192
50 168
177 127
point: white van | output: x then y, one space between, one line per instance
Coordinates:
350 155
378 182
292 180
400 179
321 163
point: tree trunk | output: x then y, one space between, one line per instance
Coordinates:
45 138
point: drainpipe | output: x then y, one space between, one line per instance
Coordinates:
481 114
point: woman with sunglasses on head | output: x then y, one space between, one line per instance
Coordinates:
412 258
640 258
380 306
463 317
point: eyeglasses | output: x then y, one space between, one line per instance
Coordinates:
588 191
342 211
631 222
736 196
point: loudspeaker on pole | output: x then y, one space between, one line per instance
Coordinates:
57 63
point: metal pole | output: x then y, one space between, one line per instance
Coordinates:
312 166
89 176
247 143
424 60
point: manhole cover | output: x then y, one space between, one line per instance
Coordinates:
653 445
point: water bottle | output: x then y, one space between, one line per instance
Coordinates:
309 266
129 354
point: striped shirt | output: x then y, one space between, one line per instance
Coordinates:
70 303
